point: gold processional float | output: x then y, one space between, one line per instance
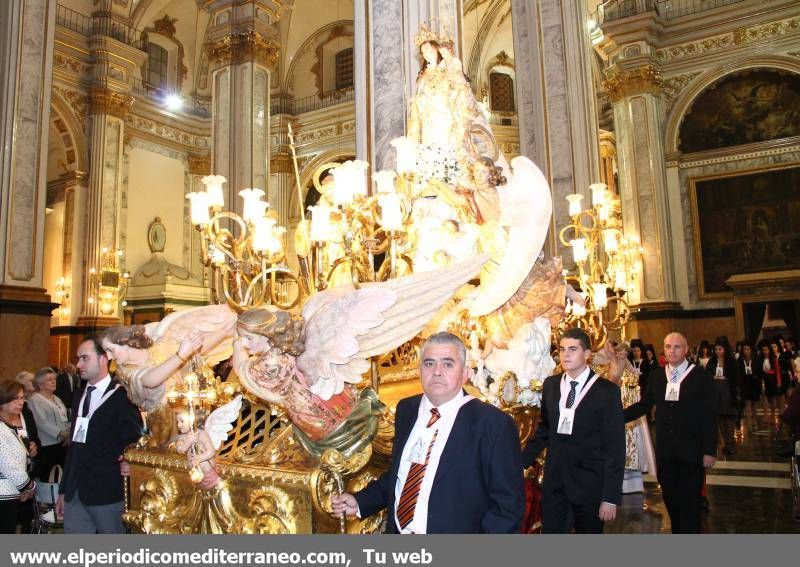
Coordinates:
450 240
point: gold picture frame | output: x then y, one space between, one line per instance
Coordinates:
751 224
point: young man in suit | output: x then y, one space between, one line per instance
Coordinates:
583 430
456 464
91 491
686 431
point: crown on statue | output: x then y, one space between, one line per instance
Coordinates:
424 35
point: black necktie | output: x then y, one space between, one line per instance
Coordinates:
87 400
571 396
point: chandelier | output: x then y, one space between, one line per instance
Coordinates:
607 264
108 285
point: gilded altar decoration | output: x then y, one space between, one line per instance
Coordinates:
449 240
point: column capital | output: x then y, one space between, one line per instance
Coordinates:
105 101
281 163
199 164
243 47
621 83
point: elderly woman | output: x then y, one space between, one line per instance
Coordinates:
51 419
15 484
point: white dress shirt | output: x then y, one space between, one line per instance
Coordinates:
97 395
448 412
581 379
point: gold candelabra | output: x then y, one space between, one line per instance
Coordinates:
108 285
607 265
246 253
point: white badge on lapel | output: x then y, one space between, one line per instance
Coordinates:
673 392
566 418
419 451
81 429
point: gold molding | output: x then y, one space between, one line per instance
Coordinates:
696 244
199 164
642 80
281 163
106 101
243 47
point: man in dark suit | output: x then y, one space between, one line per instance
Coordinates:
91 491
583 430
686 431
68 384
456 464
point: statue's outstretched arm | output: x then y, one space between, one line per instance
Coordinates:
159 374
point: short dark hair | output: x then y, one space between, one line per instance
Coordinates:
98 345
9 391
579 335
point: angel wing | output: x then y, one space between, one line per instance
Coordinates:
526 206
346 326
215 322
220 421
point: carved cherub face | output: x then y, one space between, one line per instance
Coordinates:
253 343
184 421
480 173
446 51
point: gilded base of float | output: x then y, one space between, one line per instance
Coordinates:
274 488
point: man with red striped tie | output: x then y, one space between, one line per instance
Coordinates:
456 462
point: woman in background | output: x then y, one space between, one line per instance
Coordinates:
750 381
767 368
726 393
16 486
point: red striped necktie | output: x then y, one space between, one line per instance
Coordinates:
408 497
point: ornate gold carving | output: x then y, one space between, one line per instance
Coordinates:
165 26
281 163
106 101
621 84
242 47
272 511
673 86
78 102
736 38
199 164
326 132
72 64
162 132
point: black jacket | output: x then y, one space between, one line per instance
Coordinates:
687 429
590 463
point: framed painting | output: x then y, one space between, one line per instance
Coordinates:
745 222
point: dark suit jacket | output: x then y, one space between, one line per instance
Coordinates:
478 487
92 468
731 372
63 389
590 463
687 429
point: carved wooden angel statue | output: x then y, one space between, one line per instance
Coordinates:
201 445
311 364
151 357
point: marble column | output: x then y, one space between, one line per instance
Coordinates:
107 125
75 193
638 118
198 166
556 100
242 48
27 30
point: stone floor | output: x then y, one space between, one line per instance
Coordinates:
749 492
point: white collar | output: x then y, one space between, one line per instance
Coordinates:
102 385
581 379
452 405
681 368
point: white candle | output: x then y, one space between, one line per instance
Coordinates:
213 185
262 234
579 253
199 208
574 204
620 280
406 154
599 297
610 240
321 229
391 212
350 180
598 193
384 181
254 208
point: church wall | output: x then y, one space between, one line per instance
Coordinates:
53 263
155 188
